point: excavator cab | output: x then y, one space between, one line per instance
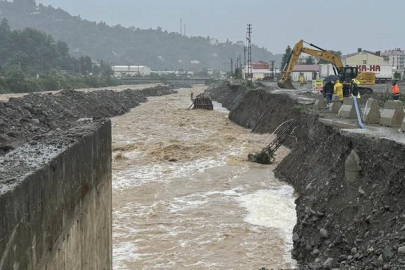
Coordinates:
346 74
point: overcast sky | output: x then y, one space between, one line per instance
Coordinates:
343 25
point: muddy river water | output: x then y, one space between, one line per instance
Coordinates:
184 196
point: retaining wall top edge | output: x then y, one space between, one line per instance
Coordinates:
18 164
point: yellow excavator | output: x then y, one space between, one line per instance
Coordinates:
345 73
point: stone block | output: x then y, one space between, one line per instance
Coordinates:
336 104
403 126
321 103
352 167
392 114
348 110
371 113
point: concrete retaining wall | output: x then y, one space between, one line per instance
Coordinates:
55 201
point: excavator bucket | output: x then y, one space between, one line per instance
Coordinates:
287 84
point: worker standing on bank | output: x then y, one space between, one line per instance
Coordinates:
328 91
354 87
395 91
338 90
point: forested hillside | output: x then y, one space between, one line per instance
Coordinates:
32 61
157 49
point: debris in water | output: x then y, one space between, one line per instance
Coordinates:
202 101
266 156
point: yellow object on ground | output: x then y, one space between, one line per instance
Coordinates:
317 85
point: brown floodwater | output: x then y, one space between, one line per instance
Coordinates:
185 196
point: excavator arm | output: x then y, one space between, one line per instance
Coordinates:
299 48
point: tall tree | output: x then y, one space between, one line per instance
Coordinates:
286 57
4 25
86 65
310 60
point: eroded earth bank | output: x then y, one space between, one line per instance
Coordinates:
342 222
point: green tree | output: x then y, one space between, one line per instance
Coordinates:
238 73
4 25
310 60
15 80
286 57
106 70
86 65
397 76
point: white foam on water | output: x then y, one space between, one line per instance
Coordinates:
122 252
187 202
218 107
273 208
161 172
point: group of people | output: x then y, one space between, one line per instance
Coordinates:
337 88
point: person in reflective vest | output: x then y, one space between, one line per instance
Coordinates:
395 91
354 87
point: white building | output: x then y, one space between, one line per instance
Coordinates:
310 72
396 59
120 71
367 61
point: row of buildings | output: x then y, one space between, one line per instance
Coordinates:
387 65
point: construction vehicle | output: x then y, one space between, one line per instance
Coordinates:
345 73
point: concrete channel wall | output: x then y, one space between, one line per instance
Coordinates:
55 201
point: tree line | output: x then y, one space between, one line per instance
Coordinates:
32 61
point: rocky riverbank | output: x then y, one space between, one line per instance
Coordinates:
31 117
343 221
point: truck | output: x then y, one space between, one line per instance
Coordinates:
383 73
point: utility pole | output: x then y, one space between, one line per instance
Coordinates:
249 52
272 69
231 66
181 26
244 56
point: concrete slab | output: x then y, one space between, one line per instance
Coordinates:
338 123
348 110
321 103
392 114
403 126
336 104
371 113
